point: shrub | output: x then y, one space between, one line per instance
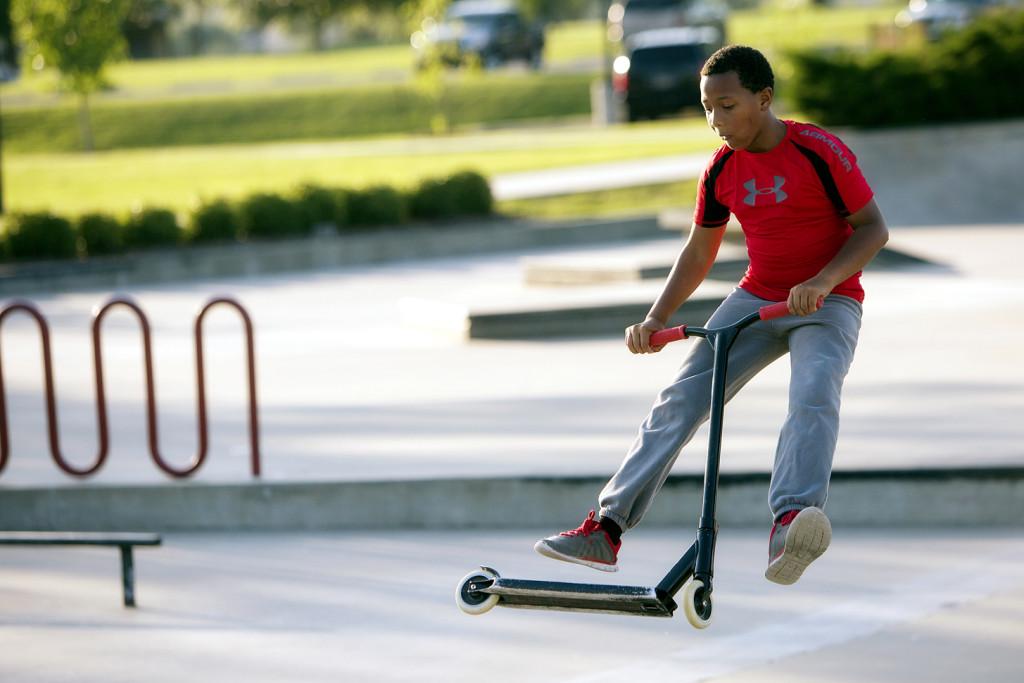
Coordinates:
214 222
99 233
151 228
43 235
463 194
269 215
978 67
320 206
377 205
472 192
966 75
430 200
39 236
874 90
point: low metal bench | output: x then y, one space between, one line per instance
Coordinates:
124 541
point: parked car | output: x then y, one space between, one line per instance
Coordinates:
628 17
660 71
488 31
938 16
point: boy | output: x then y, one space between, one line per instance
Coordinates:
811 224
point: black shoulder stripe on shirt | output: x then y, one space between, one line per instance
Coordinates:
825 175
715 212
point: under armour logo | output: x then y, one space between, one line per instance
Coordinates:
751 187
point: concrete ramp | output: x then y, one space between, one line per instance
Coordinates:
588 291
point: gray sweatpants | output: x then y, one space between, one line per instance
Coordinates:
821 348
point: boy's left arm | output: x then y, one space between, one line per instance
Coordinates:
869 236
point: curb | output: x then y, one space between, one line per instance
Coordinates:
911 498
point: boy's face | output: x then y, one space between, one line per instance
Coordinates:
736 114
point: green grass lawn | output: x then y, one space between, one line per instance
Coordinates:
174 178
567 43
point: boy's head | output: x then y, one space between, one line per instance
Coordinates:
736 91
753 70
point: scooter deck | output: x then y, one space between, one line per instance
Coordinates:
581 597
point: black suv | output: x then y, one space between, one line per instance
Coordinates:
491 32
660 71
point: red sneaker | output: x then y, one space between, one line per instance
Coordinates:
589 545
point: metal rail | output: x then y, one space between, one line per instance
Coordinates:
99 313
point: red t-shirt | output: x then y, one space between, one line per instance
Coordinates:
792 203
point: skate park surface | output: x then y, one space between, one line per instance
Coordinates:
451 453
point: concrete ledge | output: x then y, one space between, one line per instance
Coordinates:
922 498
553 271
586 294
582 321
611 266
567 313
325 251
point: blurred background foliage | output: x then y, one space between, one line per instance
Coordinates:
966 75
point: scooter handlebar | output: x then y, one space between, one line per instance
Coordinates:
668 335
781 309
773 311
769 312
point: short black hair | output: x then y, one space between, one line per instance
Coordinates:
750 65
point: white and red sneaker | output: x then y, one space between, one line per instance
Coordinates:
798 538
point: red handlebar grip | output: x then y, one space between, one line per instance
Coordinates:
670 335
772 311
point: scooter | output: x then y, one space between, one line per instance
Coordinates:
484 588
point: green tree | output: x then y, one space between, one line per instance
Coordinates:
432 77
7 52
78 38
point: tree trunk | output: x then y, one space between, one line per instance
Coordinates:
84 124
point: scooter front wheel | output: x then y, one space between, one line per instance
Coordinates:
696 604
470 597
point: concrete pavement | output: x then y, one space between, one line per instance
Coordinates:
889 607
352 395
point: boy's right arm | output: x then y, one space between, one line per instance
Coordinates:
691 267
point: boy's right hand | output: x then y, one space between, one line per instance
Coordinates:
638 337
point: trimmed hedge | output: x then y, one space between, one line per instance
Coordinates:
40 236
151 228
99 234
310 209
321 207
969 74
269 215
217 221
377 205
462 193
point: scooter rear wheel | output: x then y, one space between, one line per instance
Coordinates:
696 604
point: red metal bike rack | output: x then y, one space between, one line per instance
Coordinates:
99 313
